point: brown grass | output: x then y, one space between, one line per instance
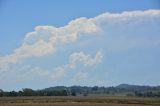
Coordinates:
78 101
71 104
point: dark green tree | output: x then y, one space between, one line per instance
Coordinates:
28 92
1 92
12 94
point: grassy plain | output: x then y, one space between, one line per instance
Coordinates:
78 101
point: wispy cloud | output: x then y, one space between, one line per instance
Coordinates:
27 72
80 76
74 60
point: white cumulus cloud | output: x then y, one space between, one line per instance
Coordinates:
45 39
86 58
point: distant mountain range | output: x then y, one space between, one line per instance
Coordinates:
127 86
121 86
136 87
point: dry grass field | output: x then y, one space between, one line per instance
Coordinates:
72 104
78 101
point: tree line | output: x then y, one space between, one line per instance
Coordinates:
30 92
123 90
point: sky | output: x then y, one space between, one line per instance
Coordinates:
46 43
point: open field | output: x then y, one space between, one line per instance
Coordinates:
78 101
74 104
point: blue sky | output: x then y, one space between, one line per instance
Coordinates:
87 42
